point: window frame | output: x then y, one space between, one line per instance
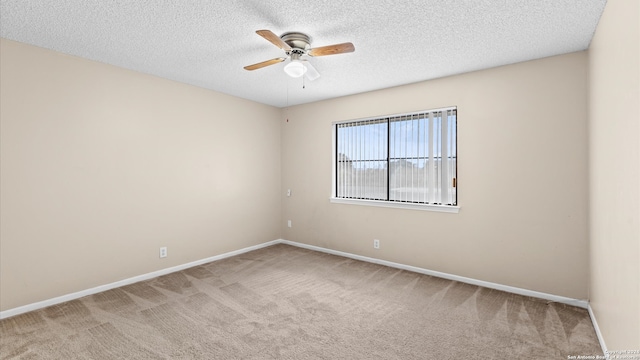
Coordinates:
388 203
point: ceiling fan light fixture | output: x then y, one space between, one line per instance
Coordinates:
295 69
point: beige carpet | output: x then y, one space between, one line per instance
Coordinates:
284 302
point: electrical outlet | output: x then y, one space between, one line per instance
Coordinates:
288 192
376 244
289 223
163 252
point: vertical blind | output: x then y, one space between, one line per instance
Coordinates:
406 158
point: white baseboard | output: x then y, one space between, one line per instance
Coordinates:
598 333
555 298
76 295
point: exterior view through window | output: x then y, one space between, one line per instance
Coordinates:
408 158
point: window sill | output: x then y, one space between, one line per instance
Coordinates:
398 205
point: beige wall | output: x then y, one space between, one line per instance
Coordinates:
614 138
101 166
522 147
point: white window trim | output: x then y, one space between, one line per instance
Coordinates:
393 115
382 203
397 205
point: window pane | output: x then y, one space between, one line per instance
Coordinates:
452 158
410 158
362 160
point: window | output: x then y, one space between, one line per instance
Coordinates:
402 159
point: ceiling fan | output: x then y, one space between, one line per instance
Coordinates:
296 45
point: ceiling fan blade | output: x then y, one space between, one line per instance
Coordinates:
274 39
332 49
311 72
264 63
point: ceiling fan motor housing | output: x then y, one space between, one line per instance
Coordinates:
299 42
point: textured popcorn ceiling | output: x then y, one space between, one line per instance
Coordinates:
207 42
